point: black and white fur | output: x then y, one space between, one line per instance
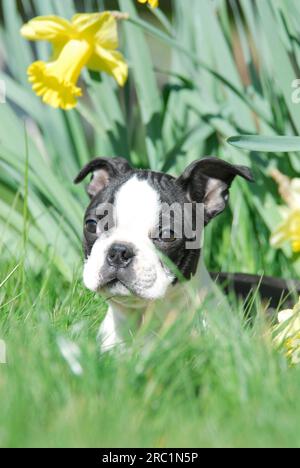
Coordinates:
139 275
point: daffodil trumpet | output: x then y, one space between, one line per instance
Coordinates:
88 40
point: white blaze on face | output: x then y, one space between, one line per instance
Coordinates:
136 208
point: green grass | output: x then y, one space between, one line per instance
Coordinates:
224 386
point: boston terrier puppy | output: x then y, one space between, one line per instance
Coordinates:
136 252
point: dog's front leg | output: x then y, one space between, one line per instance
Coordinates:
110 332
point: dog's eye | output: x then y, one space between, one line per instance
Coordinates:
91 226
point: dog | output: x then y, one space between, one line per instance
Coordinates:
130 256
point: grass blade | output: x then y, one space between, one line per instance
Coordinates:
276 144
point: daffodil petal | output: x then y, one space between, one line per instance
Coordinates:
288 231
285 315
296 246
87 23
111 62
101 25
48 28
152 3
287 333
107 35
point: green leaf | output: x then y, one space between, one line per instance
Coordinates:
283 71
17 48
276 144
146 86
243 97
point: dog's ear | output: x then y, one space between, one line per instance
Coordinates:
208 181
102 170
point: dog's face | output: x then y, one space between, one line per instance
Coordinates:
137 219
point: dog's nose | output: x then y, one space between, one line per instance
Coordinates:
120 255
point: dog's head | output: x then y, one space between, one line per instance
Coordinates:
139 219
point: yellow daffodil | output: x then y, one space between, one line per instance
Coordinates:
287 333
289 229
88 40
152 3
